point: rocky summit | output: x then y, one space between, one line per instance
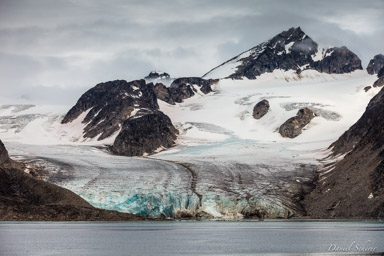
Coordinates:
157 75
375 64
107 105
289 50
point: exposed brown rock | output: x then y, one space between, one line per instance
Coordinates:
293 126
260 109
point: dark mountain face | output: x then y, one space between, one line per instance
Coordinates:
144 133
123 107
293 50
4 158
375 64
23 197
183 88
354 188
110 104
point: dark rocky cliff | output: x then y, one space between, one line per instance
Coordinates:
353 136
354 186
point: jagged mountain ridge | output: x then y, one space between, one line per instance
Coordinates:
289 50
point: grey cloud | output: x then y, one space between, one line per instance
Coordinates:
70 45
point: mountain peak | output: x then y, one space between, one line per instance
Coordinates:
292 31
157 75
289 50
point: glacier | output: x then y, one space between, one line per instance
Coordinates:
225 165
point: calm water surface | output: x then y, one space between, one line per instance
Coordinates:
190 238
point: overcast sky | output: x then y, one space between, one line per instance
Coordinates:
52 51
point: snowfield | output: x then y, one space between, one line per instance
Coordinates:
226 164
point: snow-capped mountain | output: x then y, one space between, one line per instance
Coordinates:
231 158
289 50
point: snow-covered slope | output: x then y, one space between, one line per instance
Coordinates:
338 100
41 125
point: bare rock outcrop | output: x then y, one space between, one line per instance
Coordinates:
294 126
260 109
145 133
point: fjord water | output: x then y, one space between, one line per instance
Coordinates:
191 238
